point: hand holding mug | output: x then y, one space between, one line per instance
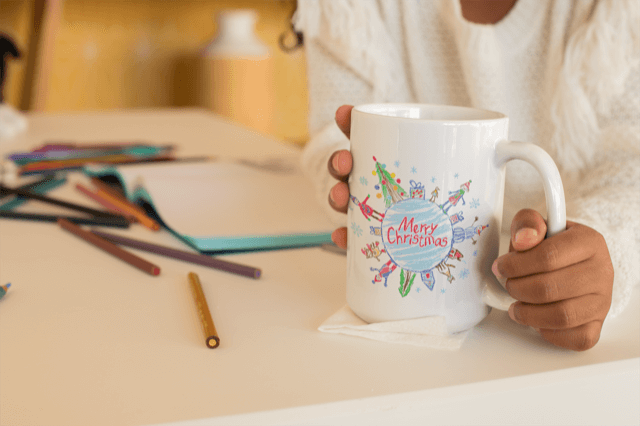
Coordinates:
339 166
563 284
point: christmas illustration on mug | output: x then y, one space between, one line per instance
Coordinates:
418 234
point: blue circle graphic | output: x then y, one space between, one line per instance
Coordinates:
417 234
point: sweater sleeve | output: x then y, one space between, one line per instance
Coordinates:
608 200
353 58
331 84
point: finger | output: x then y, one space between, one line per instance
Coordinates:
579 338
561 315
340 164
343 119
577 244
528 229
566 283
339 197
339 237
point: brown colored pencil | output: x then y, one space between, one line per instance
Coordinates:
111 248
208 327
200 259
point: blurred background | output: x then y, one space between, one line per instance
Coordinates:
224 55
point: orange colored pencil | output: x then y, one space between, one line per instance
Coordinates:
110 195
101 185
111 248
132 209
105 203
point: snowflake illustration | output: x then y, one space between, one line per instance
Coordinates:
475 253
464 273
443 291
433 179
455 176
364 181
356 229
397 164
474 203
414 170
418 289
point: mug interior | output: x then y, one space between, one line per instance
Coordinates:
430 112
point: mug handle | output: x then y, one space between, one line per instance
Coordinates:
493 294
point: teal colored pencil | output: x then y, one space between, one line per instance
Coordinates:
3 290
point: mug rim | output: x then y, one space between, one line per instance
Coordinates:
376 109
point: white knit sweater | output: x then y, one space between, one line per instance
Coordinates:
565 72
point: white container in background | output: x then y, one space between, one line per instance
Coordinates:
239 72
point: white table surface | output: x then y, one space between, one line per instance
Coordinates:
88 340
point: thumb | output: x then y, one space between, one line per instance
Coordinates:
528 229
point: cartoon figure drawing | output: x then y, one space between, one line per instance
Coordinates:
456 196
384 272
372 250
434 195
366 209
469 233
443 268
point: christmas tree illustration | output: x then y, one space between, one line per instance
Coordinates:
406 281
392 192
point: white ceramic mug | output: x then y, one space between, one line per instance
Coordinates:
424 219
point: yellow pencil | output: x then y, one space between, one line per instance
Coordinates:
210 334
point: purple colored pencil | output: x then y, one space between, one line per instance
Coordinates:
200 259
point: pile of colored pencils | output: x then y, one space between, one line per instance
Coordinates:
53 157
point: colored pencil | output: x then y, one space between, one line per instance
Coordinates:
4 289
76 163
104 202
200 259
115 191
54 201
122 203
39 189
111 248
114 222
30 186
208 327
25 171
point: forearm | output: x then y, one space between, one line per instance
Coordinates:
608 200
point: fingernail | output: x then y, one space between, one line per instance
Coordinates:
512 313
494 269
526 235
334 162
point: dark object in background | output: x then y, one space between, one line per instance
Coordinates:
7 48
